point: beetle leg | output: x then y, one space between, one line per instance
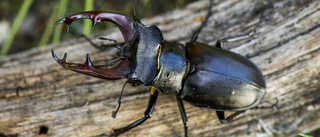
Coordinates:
197 32
114 113
220 43
223 120
248 35
273 106
183 115
114 62
147 114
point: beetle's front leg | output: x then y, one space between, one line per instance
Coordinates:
223 120
147 114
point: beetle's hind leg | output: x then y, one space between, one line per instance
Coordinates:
147 114
273 106
223 120
248 35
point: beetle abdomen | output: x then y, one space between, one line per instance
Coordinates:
217 91
221 80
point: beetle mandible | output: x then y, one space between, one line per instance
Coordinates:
204 76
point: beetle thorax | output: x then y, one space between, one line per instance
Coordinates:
173 66
145 53
158 63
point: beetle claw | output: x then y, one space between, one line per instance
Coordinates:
118 72
63 21
124 23
88 61
60 21
94 23
65 57
55 56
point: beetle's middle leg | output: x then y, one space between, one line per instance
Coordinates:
248 35
147 114
223 120
183 115
197 32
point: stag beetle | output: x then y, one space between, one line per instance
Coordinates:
204 76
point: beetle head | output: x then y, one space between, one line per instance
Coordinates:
126 27
139 53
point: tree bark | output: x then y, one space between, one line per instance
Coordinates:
38 94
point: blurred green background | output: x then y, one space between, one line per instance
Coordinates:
25 24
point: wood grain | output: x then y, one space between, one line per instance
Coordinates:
35 92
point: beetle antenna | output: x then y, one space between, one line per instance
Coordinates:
117 45
134 11
114 113
197 32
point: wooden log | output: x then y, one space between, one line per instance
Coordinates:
40 98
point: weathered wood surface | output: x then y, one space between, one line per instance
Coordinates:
36 92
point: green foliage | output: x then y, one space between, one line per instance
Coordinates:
87 23
44 14
16 24
59 11
304 135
